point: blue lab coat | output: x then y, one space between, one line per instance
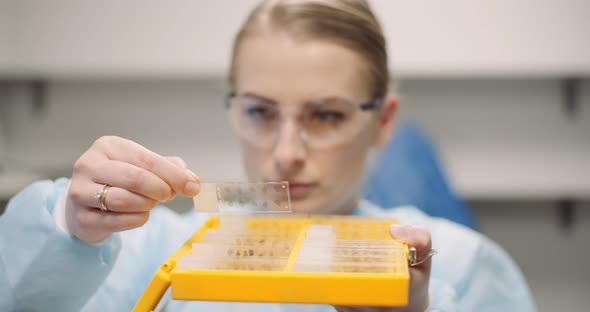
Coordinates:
44 269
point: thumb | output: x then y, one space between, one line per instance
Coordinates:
417 237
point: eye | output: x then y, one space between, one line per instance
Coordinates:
260 112
331 116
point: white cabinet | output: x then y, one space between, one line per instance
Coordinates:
135 38
7 44
187 38
488 38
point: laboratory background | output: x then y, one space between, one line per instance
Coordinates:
499 89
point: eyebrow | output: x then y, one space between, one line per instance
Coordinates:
328 98
274 102
325 99
264 98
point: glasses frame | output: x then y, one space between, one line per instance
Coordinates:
371 104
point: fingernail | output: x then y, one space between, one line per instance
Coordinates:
170 199
398 230
192 188
193 176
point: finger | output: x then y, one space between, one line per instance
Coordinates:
132 178
417 237
116 199
120 200
177 161
180 179
90 218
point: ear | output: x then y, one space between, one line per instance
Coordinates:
387 120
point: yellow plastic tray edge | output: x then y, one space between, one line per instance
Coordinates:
166 273
161 281
292 287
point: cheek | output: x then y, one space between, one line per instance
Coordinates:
255 161
344 166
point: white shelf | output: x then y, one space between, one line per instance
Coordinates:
523 176
497 139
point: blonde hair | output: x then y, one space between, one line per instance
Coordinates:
349 23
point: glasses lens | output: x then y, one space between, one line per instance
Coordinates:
332 121
253 118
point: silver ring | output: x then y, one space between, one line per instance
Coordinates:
413 259
101 196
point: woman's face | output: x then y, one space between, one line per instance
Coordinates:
282 80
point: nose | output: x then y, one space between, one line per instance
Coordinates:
290 151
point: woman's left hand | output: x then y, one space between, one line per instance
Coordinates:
419 275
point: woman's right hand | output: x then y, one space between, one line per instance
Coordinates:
140 179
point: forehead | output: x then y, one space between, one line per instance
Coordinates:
275 65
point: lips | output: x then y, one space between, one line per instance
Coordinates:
300 190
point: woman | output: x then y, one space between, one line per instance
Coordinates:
309 101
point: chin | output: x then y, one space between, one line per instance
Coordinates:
304 206
309 205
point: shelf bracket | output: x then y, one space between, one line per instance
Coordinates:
570 89
566 213
38 90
